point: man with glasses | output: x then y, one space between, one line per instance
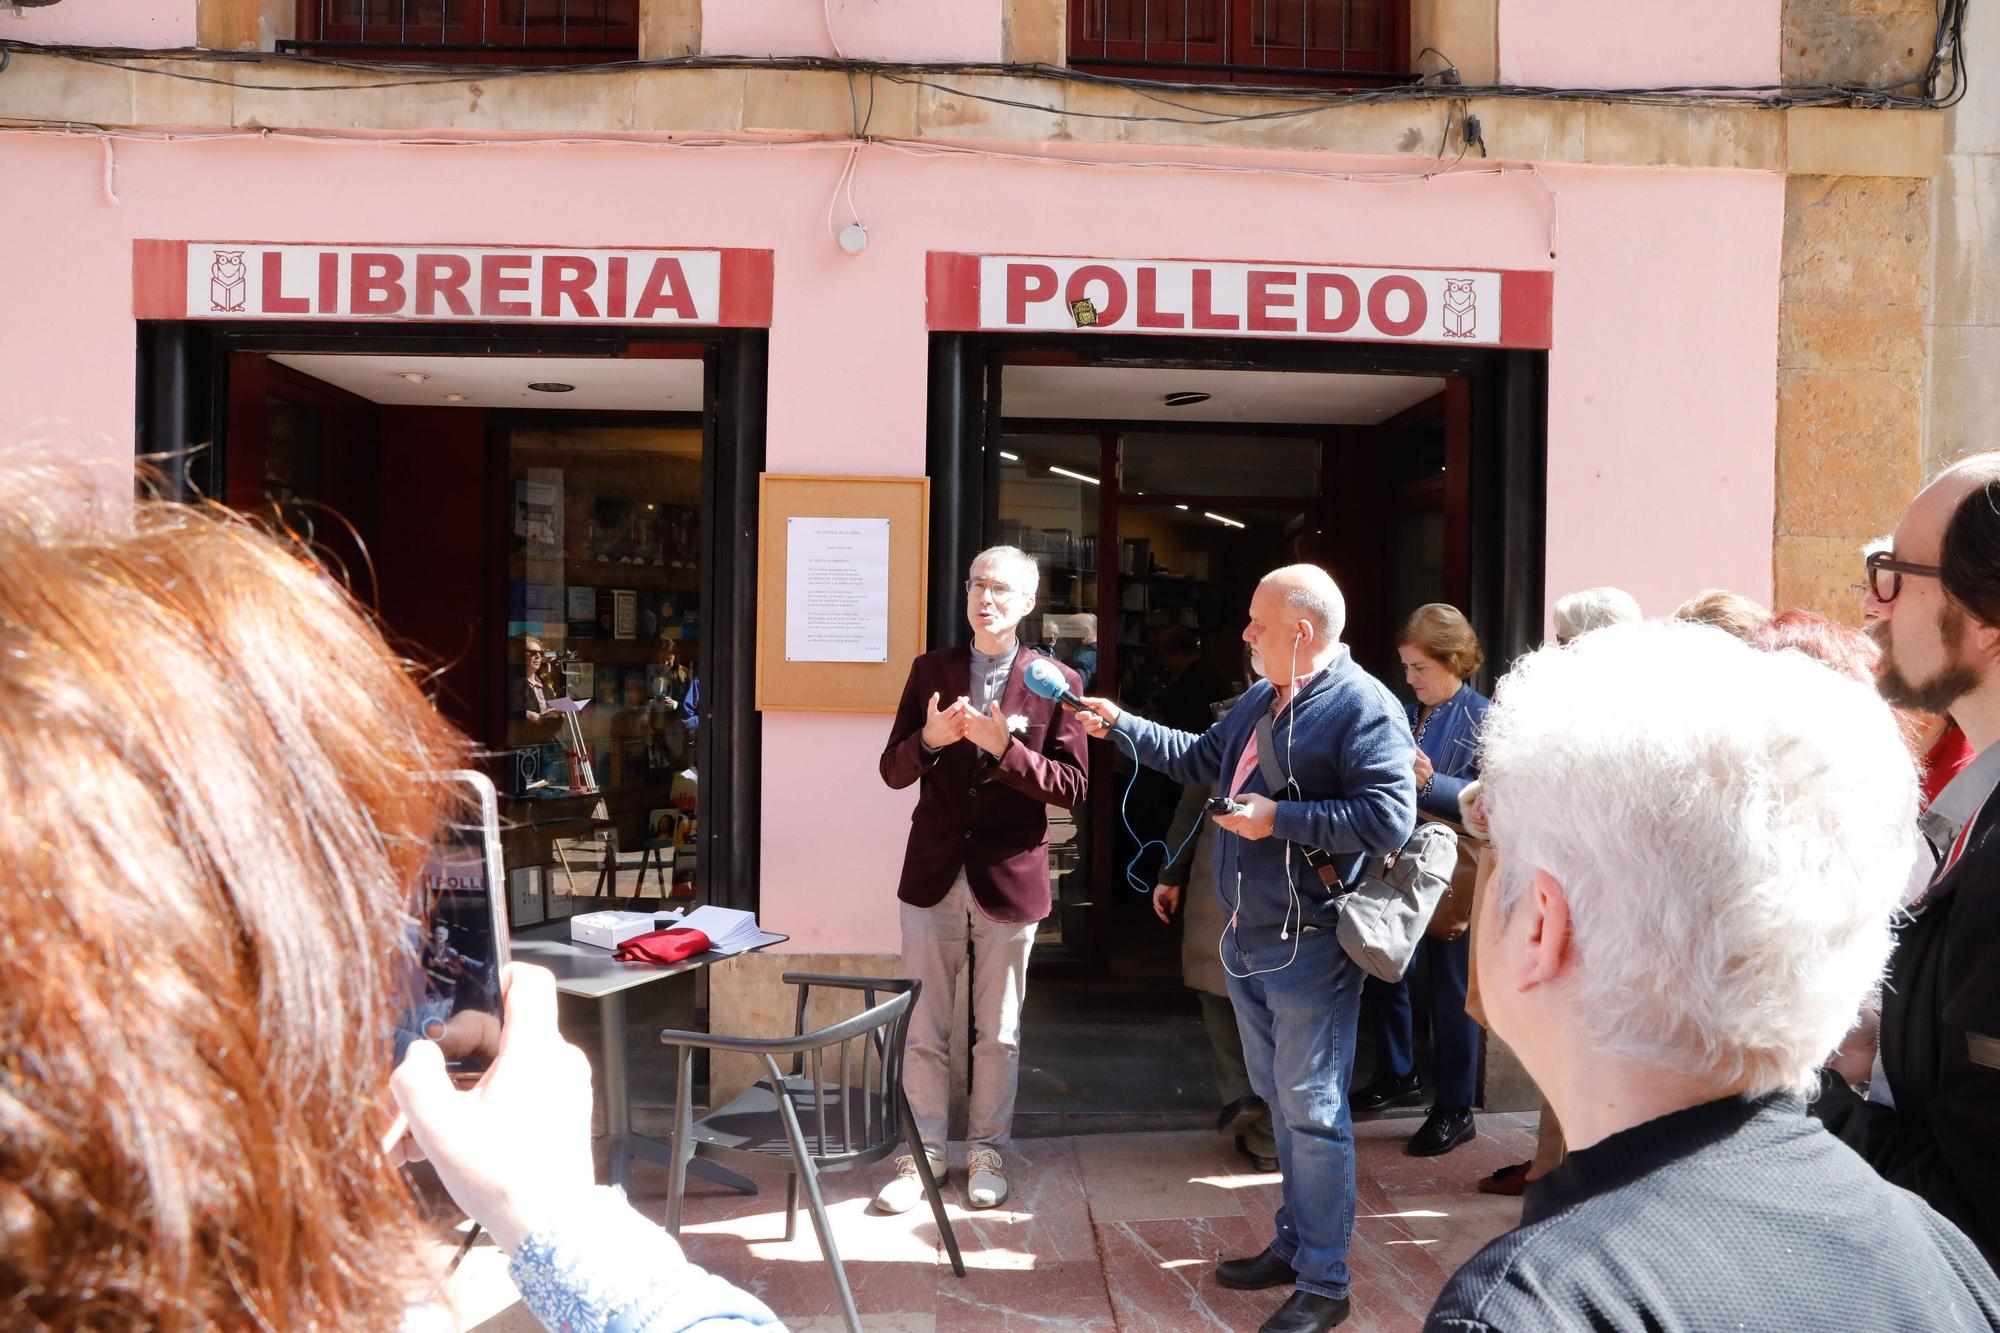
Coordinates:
1929 1119
991 757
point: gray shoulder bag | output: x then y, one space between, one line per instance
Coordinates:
1384 912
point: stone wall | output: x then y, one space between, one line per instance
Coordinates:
1872 42
1854 291
1965 315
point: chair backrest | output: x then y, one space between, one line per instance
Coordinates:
859 1112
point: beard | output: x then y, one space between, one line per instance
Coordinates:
1945 687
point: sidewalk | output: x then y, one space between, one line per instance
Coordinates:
1104 1232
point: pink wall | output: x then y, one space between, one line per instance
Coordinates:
154 24
1638 43
912 30
1662 380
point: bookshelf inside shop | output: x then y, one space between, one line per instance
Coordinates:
604 628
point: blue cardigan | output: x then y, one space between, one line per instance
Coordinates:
1452 742
1350 752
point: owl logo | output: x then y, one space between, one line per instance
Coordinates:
1461 314
1084 312
225 282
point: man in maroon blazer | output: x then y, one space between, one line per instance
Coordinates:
990 757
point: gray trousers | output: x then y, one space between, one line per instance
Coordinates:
934 947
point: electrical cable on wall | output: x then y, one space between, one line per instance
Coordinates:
1946 46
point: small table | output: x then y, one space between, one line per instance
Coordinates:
591 972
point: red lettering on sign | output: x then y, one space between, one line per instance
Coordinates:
1025 283
1265 303
1204 300
375 285
1378 305
275 300
1112 308
329 283
666 289
571 276
614 286
500 275
1340 320
446 276
1149 314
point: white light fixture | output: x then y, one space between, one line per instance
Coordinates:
1182 508
1012 458
1074 476
552 386
454 398
412 376
854 238
1227 522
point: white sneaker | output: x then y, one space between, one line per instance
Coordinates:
985 1182
905 1189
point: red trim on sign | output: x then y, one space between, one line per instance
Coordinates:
159 279
1527 308
747 280
951 292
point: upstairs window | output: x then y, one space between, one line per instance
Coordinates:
1316 42
500 31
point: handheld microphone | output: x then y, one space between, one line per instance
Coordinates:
1045 678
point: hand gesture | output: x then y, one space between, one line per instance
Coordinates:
1424 769
942 728
1097 722
987 730
1166 901
513 1150
1254 823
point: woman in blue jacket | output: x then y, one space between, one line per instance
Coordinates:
1440 653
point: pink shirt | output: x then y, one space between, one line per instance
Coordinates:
1247 765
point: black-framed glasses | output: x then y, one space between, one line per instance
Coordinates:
1885 574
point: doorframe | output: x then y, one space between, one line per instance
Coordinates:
182 427
1495 403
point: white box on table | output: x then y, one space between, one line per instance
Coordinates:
608 930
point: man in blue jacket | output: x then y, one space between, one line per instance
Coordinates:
1319 758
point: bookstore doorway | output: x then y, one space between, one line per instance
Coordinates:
534 517
1155 485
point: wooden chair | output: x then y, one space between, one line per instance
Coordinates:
804 1124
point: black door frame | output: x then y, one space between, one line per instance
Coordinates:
182 434
1506 514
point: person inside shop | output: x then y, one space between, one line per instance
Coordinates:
1929 1117
1083 660
205 877
1318 756
1243 1117
1771 803
1193 684
1440 653
988 758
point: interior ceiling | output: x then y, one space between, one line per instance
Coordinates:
603 384
1136 393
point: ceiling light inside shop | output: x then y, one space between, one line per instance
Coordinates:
1229 522
412 376
454 398
1074 476
552 386
1012 458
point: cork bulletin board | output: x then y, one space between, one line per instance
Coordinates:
809 530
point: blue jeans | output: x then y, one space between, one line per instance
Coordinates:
1298 1042
1454 1037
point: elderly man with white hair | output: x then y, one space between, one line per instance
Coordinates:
1594 608
1319 760
1693 897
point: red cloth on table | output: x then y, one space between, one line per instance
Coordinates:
663 946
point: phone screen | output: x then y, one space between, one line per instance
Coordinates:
458 903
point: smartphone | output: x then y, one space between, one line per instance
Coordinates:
1222 805
460 947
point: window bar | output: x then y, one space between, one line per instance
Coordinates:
363 7
1104 28
1346 12
1305 27
321 34
1184 31
1264 47
1145 29
402 22
562 21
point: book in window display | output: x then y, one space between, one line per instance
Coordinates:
538 514
624 613
582 612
